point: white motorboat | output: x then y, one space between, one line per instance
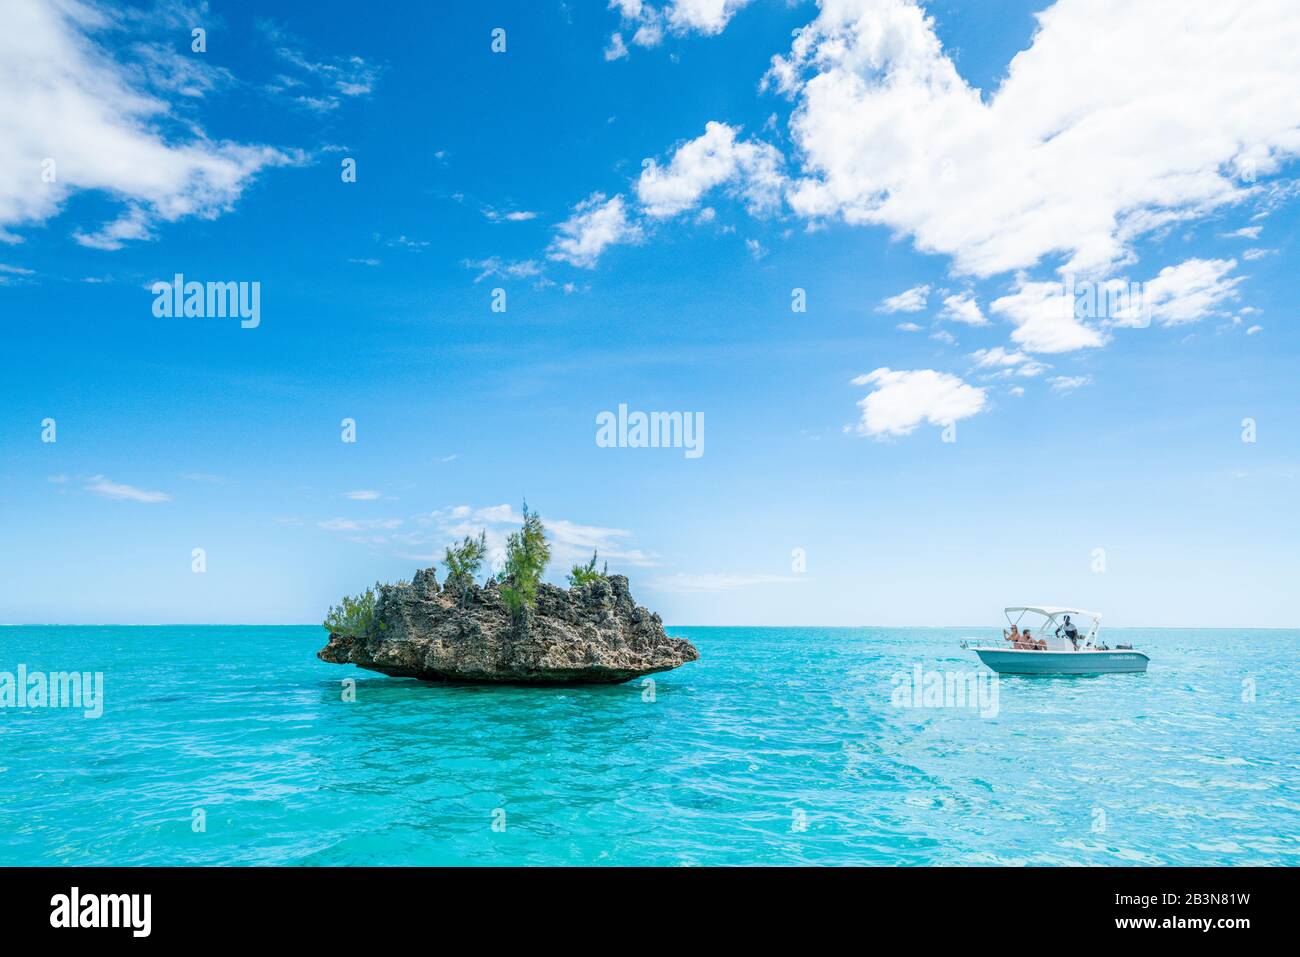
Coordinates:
1057 645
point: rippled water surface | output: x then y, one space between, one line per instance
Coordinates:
780 746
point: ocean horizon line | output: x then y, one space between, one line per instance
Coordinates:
255 624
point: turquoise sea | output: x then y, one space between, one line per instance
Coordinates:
783 746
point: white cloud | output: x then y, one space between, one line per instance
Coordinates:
963 308
1097 136
1246 232
1008 363
907 327
909 300
105 488
1191 290
496 266
1045 320
364 495
511 216
359 525
1068 383
596 224
997 356
1250 255
713 582
709 17
67 100
900 401
1254 329
617 49
629 9
750 168
15 275
335 77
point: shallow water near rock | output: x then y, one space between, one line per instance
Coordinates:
779 746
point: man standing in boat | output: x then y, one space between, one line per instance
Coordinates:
1070 632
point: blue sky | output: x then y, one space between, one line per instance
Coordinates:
648 205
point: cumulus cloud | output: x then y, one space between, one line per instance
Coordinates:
750 168
909 300
1044 317
617 49
902 400
705 16
596 224
708 17
1104 129
962 307
68 101
1191 290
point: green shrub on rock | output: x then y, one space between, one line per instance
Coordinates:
582 574
353 617
527 555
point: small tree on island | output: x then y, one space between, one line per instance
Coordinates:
527 555
354 617
463 562
582 574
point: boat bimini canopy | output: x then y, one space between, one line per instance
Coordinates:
1055 616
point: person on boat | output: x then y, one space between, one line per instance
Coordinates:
1070 631
1014 637
1033 644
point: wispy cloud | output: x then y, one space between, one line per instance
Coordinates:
713 582
331 79
99 119
360 524
510 216
909 300
596 224
495 266
1068 383
105 488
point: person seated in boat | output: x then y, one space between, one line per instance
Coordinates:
1014 637
1069 631
1031 643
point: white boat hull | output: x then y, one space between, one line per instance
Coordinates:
1012 661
